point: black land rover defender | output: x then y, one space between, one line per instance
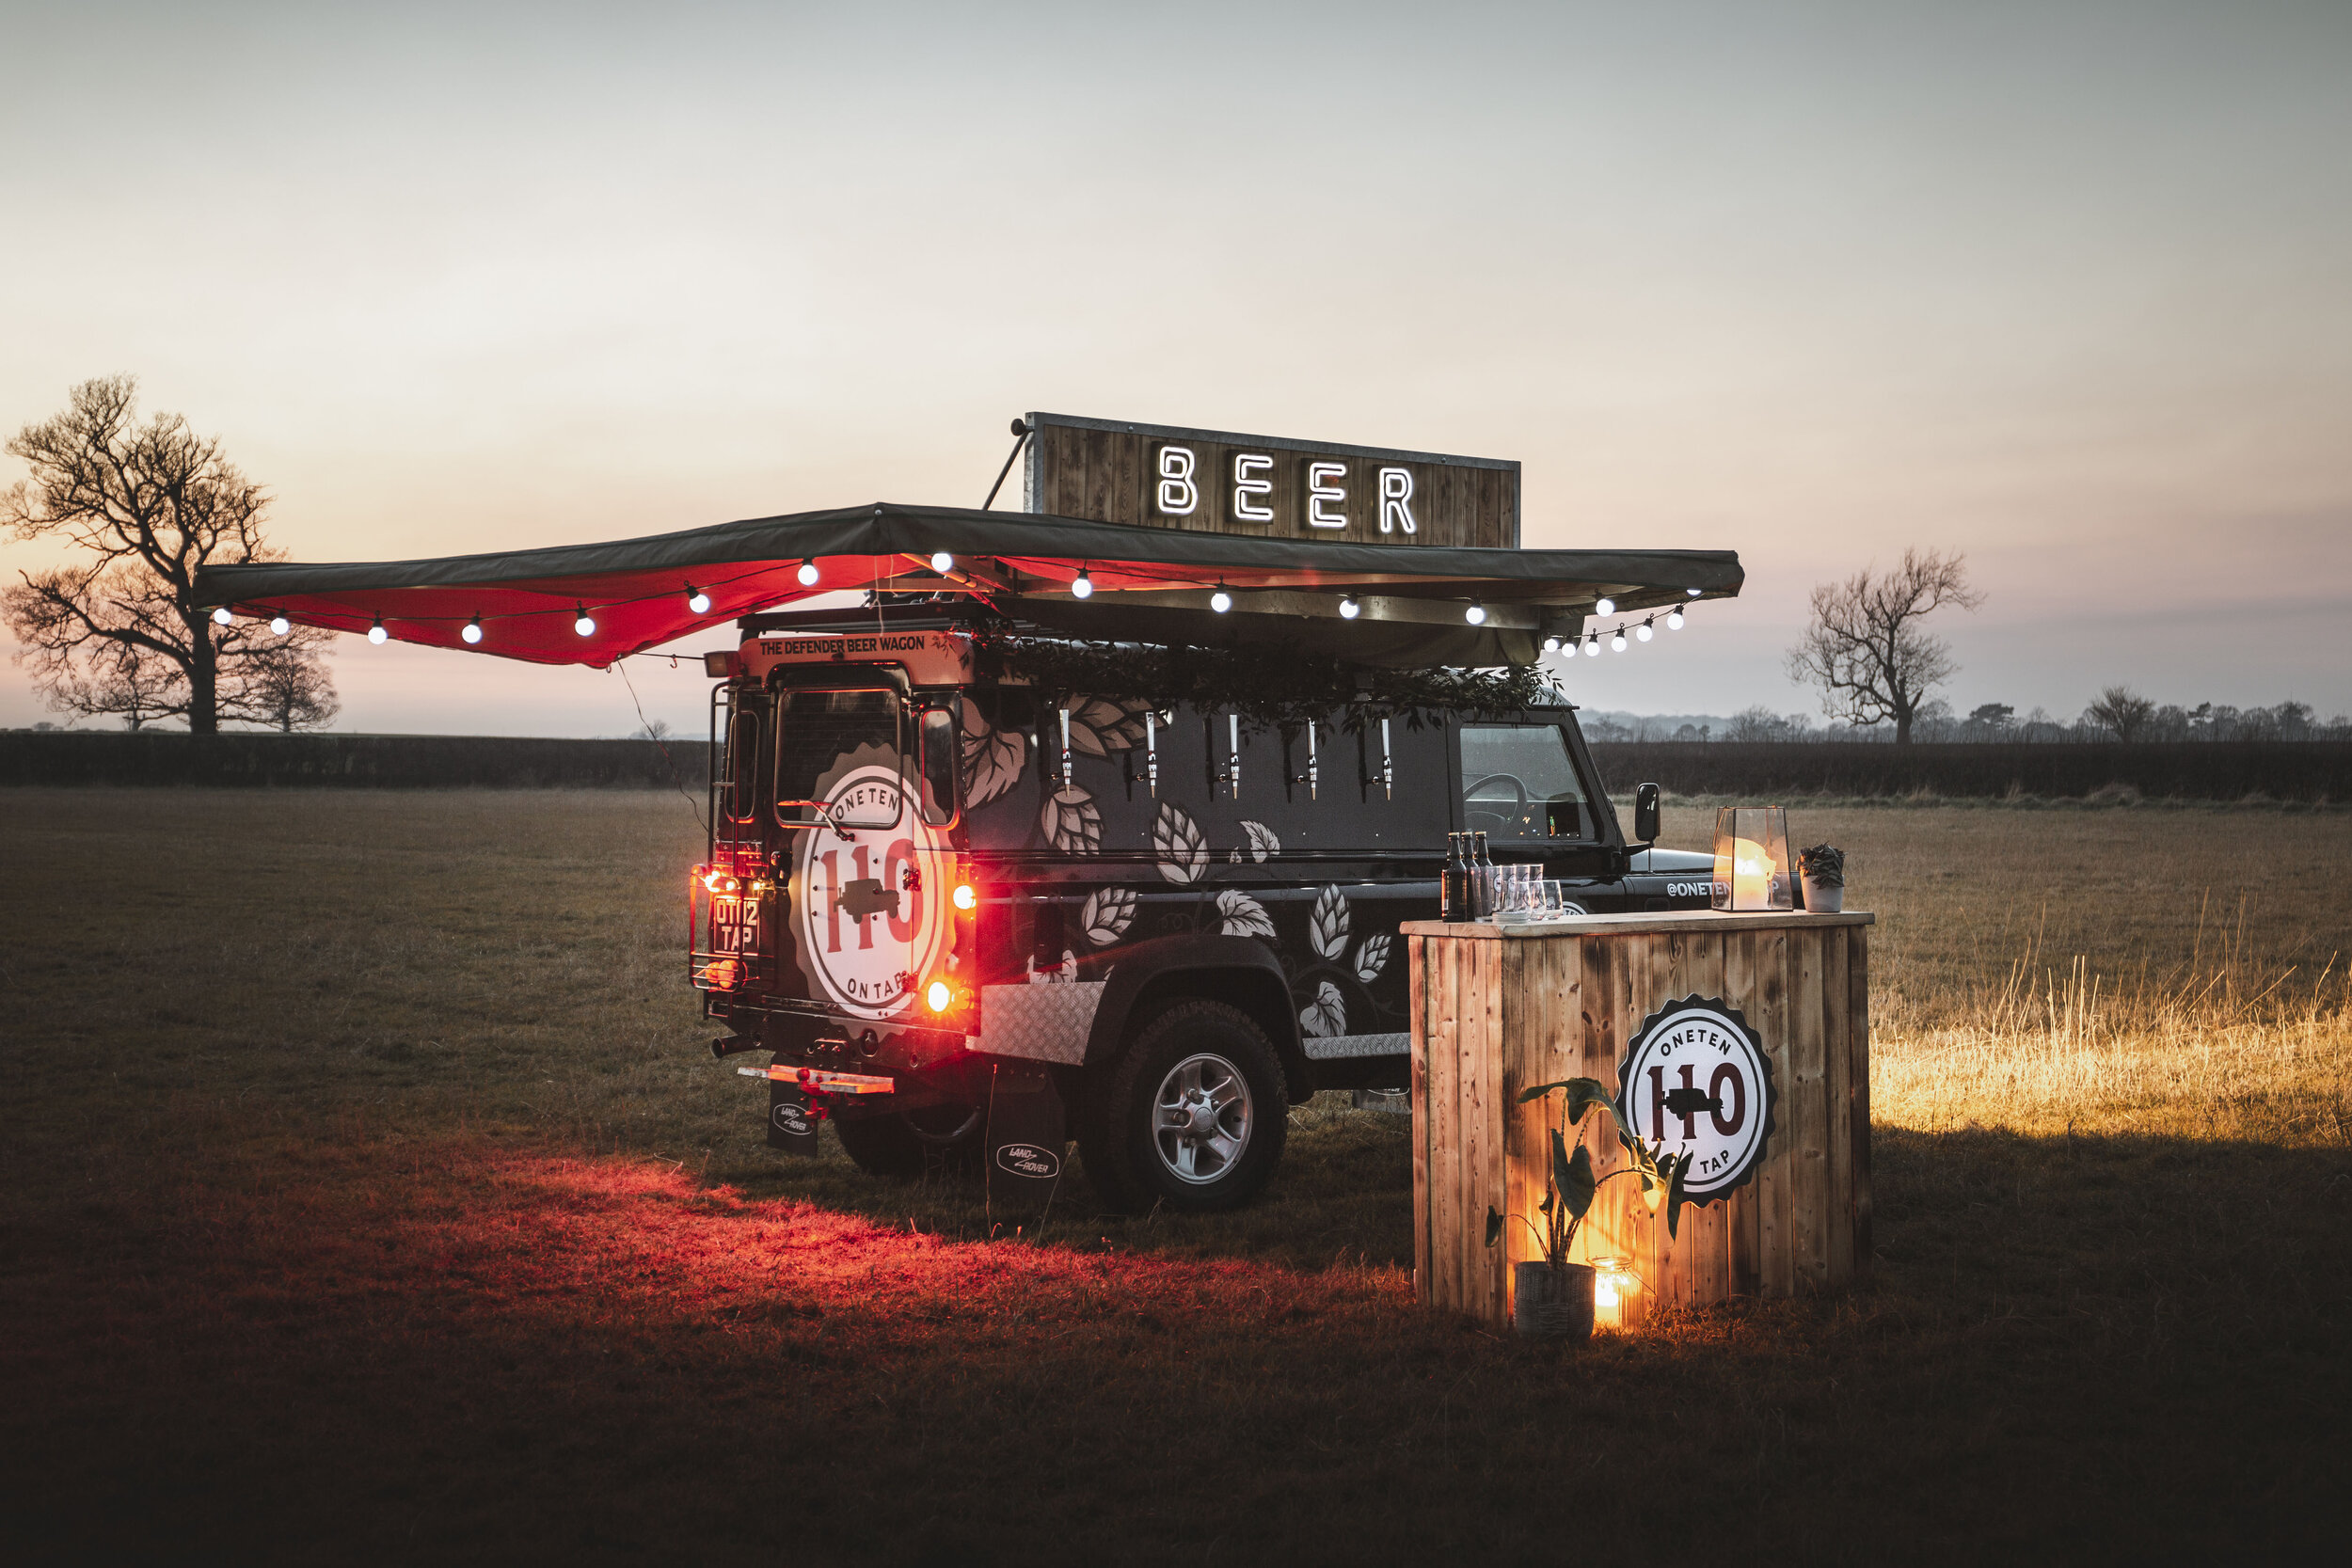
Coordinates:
971 918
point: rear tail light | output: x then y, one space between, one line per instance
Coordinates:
965 899
940 995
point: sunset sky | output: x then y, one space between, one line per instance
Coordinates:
2065 287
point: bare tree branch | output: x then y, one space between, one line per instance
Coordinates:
152 503
1866 648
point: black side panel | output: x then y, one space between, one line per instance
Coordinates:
1239 969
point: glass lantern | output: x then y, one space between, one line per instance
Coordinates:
1752 868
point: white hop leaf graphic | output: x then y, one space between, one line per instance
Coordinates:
1109 912
1101 725
1373 956
1242 915
991 758
1327 1015
1176 839
1071 820
1261 841
1327 929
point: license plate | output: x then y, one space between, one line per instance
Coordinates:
734 925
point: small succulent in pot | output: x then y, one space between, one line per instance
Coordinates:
1822 869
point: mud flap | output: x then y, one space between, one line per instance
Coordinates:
790 1127
1027 1142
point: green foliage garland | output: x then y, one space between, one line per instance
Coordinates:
1266 686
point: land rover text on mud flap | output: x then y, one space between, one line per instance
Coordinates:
1154 925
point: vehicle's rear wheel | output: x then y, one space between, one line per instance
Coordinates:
907 1143
1191 1115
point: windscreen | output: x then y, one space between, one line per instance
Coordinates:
1519 782
818 734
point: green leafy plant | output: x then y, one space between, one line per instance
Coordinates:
1824 864
1571 1185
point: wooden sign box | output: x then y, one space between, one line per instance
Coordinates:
1495 1008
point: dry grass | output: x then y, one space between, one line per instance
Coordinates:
366 1193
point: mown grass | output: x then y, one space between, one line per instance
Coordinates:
366 1192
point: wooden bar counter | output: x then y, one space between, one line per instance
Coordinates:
1496 1007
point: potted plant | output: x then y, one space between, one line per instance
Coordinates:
1550 1296
1823 869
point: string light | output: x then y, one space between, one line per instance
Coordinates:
1616 643
697 600
1220 601
1592 647
1081 586
474 630
1674 619
1475 614
1604 607
586 624
943 563
1552 645
279 625
1642 630
1350 606
221 616
376 633
807 574
1693 592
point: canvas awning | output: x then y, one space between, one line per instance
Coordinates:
1151 585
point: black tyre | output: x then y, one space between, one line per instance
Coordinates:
1190 1117
907 1144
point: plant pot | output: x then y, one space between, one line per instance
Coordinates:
1824 897
1551 1304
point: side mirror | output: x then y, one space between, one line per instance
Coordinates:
1645 813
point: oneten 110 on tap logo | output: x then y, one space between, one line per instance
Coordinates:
869 910
1696 1082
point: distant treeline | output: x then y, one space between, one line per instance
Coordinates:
2312 771
347 761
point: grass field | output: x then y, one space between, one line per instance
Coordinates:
366 1192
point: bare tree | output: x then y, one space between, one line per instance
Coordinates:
1866 649
2122 710
119 632
288 689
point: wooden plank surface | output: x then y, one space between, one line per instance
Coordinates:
1858 1049
1808 1118
1417 957
1837 1085
1746 1203
1766 1008
1663 920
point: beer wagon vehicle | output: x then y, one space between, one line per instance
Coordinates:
1094 826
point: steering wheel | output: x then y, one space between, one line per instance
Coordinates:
1518 801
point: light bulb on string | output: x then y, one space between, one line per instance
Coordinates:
697 600
376 633
1604 607
1643 632
1475 614
473 631
1350 606
1693 592
279 625
1673 620
586 623
1617 643
1081 586
807 574
1592 647
943 563
1220 601
221 616
1552 645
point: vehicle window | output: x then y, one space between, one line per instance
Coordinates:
743 764
816 731
1518 783
936 746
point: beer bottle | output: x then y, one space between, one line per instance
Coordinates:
1482 878
1455 899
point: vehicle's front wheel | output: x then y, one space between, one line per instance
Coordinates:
1190 1117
